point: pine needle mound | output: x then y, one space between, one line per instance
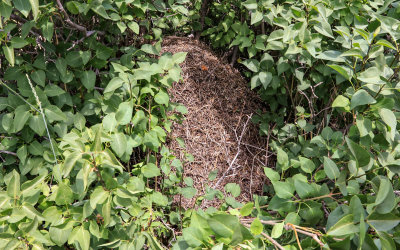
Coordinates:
217 130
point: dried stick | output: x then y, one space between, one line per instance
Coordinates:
237 154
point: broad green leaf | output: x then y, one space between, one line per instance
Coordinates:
331 169
88 79
345 226
35 8
193 236
23 6
303 189
390 119
150 170
124 113
256 17
265 78
247 209
98 196
250 4
223 224
48 30
20 119
106 212
59 236
99 9
36 123
340 102
256 227
283 190
70 162
13 187
271 174
118 143
31 184
162 98
386 241
345 72
277 230
9 54
134 26
109 122
282 158
18 42
82 236
384 189
306 165
360 154
114 84
233 188
361 97
39 77
383 222
64 195
252 64
386 43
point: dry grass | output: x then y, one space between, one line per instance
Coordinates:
219 104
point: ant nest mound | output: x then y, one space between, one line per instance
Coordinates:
217 129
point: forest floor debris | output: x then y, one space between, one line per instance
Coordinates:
217 130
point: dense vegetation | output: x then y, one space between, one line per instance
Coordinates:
85 115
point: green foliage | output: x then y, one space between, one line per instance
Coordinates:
85 114
328 72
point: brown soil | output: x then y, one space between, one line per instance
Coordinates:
217 130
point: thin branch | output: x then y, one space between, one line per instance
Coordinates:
274 242
75 25
7 152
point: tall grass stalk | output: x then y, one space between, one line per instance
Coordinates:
44 118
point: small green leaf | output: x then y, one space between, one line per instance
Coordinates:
383 222
361 97
283 190
13 187
390 119
88 79
35 8
124 113
256 227
271 174
345 72
64 195
9 54
70 162
150 170
118 143
247 209
331 169
162 98
345 226
306 165
340 102
277 230
134 26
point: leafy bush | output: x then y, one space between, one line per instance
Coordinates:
329 73
85 115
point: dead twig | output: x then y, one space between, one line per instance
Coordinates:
237 153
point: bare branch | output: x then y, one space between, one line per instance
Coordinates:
7 152
75 25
